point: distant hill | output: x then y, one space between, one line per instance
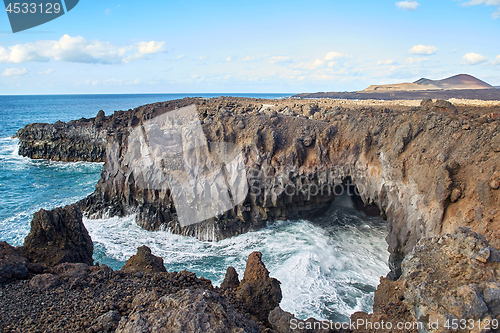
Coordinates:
461 81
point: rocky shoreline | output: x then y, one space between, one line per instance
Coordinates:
445 278
417 164
430 170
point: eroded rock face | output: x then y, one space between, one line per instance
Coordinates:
388 307
144 261
12 265
450 277
418 165
260 293
187 311
58 236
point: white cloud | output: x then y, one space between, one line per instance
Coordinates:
228 58
407 5
151 47
78 49
386 62
335 55
497 60
145 49
278 59
332 64
474 59
423 50
248 58
415 60
114 82
494 3
180 56
48 71
316 64
14 72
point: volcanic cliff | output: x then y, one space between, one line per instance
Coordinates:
428 168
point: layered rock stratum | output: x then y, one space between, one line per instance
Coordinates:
428 167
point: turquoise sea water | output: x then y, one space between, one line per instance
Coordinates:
328 268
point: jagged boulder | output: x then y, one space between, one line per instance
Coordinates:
260 293
44 282
438 105
453 277
108 321
144 261
58 236
231 279
12 265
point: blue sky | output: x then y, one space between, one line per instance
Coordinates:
130 46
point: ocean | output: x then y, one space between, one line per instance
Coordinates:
328 267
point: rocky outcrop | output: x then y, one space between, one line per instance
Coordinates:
259 293
231 280
144 261
12 265
418 165
43 282
82 139
58 236
81 298
447 280
388 308
452 278
79 140
187 311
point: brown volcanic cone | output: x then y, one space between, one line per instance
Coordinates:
460 81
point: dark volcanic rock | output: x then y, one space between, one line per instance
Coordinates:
453 276
231 279
399 157
260 293
79 140
58 236
144 261
44 281
12 265
188 311
71 270
107 322
99 301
